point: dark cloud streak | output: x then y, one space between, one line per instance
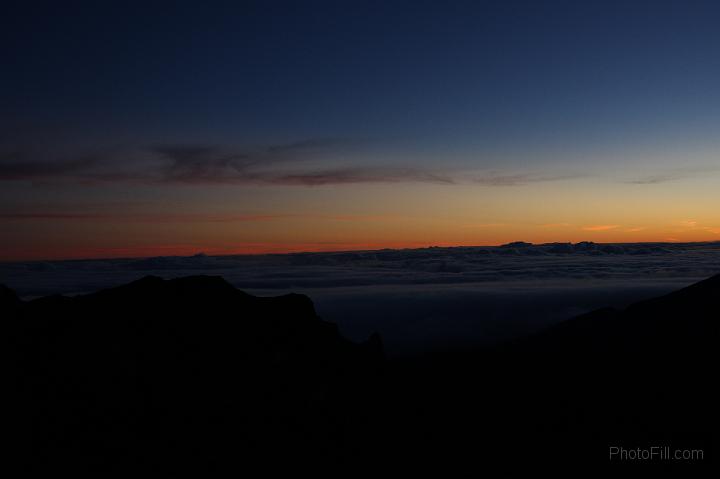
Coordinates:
139 218
362 175
284 164
31 170
673 175
654 180
203 165
520 179
173 218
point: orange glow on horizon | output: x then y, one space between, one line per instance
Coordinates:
145 251
288 220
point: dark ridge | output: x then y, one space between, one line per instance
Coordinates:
698 297
636 378
180 374
193 375
689 315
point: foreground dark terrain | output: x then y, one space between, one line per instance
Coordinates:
193 374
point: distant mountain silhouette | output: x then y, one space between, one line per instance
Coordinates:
192 374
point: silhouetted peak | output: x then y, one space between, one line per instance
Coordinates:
585 246
197 287
194 309
517 244
202 283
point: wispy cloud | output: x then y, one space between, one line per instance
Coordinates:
310 162
181 218
600 227
697 226
207 165
199 164
17 167
359 175
519 179
485 225
672 175
654 179
284 164
139 218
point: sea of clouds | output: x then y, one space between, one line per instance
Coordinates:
418 298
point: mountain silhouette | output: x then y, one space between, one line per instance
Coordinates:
637 377
175 374
191 374
681 318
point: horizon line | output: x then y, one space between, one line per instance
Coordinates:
201 253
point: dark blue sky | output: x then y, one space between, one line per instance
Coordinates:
457 73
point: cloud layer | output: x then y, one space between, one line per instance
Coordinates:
421 297
435 265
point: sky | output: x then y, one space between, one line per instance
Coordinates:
146 128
